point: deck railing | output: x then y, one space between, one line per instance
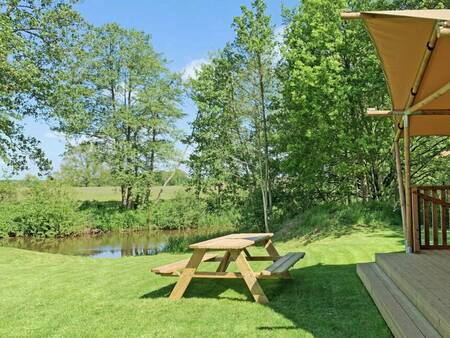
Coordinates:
430 217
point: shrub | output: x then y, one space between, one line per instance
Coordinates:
107 216
47 210
182 212
8 191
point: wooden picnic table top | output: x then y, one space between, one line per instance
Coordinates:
232 241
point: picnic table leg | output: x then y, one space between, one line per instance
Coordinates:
186 276
224 262
249 277
273 252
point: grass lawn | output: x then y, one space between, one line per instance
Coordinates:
113 193
46 295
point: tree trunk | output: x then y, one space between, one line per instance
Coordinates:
268 187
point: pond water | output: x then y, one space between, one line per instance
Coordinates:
107 245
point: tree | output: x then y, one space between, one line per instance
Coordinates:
35 36
331 76
256 45
81 167
234 94
121 96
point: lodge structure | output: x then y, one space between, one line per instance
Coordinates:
412 289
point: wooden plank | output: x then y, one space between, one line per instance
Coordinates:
186 275
436 247
437 201
232 241
169 268
426 218
263 258
225 262
284 263
444 218
249 277
273 252
423 283
402 317
220 275
232 275
270 248
379 113
435 220
407 178
247 254
430 187
415 219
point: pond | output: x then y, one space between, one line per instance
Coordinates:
107 245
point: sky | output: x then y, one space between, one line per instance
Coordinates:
184 31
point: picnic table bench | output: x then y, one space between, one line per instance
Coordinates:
235 247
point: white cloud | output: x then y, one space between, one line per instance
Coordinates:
190 71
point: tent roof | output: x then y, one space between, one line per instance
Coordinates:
432 14
414 48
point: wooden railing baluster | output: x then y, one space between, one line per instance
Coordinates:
443 219
426 218
434 201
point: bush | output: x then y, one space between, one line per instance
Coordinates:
8 191
47 210
182 212
107 216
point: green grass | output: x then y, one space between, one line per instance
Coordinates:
113 193
46 295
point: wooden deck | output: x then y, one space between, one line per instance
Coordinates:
411 291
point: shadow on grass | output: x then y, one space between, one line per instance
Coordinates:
325 300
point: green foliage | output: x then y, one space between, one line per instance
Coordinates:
81 167
234 94
331 75
8 191
121 96
177 177
336 220
181 212
46 211
108 216
34 41
301 137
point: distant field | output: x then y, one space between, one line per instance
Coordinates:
113 193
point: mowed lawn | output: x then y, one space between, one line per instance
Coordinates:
113 193
46 295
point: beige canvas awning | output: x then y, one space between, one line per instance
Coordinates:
414 48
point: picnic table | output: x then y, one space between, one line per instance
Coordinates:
235 248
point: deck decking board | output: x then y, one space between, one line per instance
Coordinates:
415 284
400 314
425 279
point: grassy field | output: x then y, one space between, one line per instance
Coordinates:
113 193
45 295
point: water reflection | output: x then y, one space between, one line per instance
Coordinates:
109 245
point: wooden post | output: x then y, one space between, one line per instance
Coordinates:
401 187
249 277
186 275
415 219
407 178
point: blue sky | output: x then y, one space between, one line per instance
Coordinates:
185 31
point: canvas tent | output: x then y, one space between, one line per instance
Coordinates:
414 49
